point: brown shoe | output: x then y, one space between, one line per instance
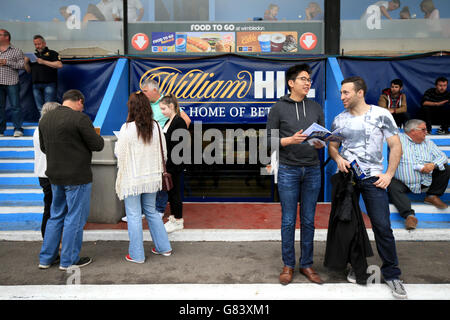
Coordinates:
311 275
411 222
435 201
286 275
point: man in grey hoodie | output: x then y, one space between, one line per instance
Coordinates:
299 175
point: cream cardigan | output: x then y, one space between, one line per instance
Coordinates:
139 164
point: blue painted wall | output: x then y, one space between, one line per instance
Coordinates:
417 73
113 109
333 106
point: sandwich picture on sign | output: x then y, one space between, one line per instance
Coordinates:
197 44
210 42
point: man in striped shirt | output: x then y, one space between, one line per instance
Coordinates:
422 166
11 61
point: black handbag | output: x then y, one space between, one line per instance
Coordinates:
167 183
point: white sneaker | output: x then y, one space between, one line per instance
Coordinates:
174 224
351 276
398 290
124 219
165 254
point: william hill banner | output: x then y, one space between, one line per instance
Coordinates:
226 89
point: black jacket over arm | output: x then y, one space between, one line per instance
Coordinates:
347 239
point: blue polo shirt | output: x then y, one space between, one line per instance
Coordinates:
157 113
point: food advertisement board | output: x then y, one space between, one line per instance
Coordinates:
217 38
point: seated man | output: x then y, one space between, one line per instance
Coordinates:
436 104
395 101
422 165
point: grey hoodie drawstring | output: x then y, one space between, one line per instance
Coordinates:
304 112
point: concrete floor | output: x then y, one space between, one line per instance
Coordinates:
421 262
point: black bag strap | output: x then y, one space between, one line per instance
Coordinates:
326 162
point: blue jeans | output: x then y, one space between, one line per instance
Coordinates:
68 215
44 92
298 184
13 94
377 205
135 206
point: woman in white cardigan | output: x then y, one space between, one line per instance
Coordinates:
139 173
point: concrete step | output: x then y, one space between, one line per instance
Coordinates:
28 130
440 141
21 142
19 198
15 219
17 168
20 203
29 216
22 196
16 153
18 182
421 207
420 197
9 132
5 210
428 215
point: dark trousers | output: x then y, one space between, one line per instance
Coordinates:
176 205
401 118
47 189
398 191
12 92
440 114
377 204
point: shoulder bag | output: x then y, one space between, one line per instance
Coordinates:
167 183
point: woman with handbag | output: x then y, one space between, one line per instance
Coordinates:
170 108
139 176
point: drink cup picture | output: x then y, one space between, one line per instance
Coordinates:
180 42
277 41
264 42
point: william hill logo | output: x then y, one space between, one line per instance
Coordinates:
198 84
203 85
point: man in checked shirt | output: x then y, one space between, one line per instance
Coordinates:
423 165
11 61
